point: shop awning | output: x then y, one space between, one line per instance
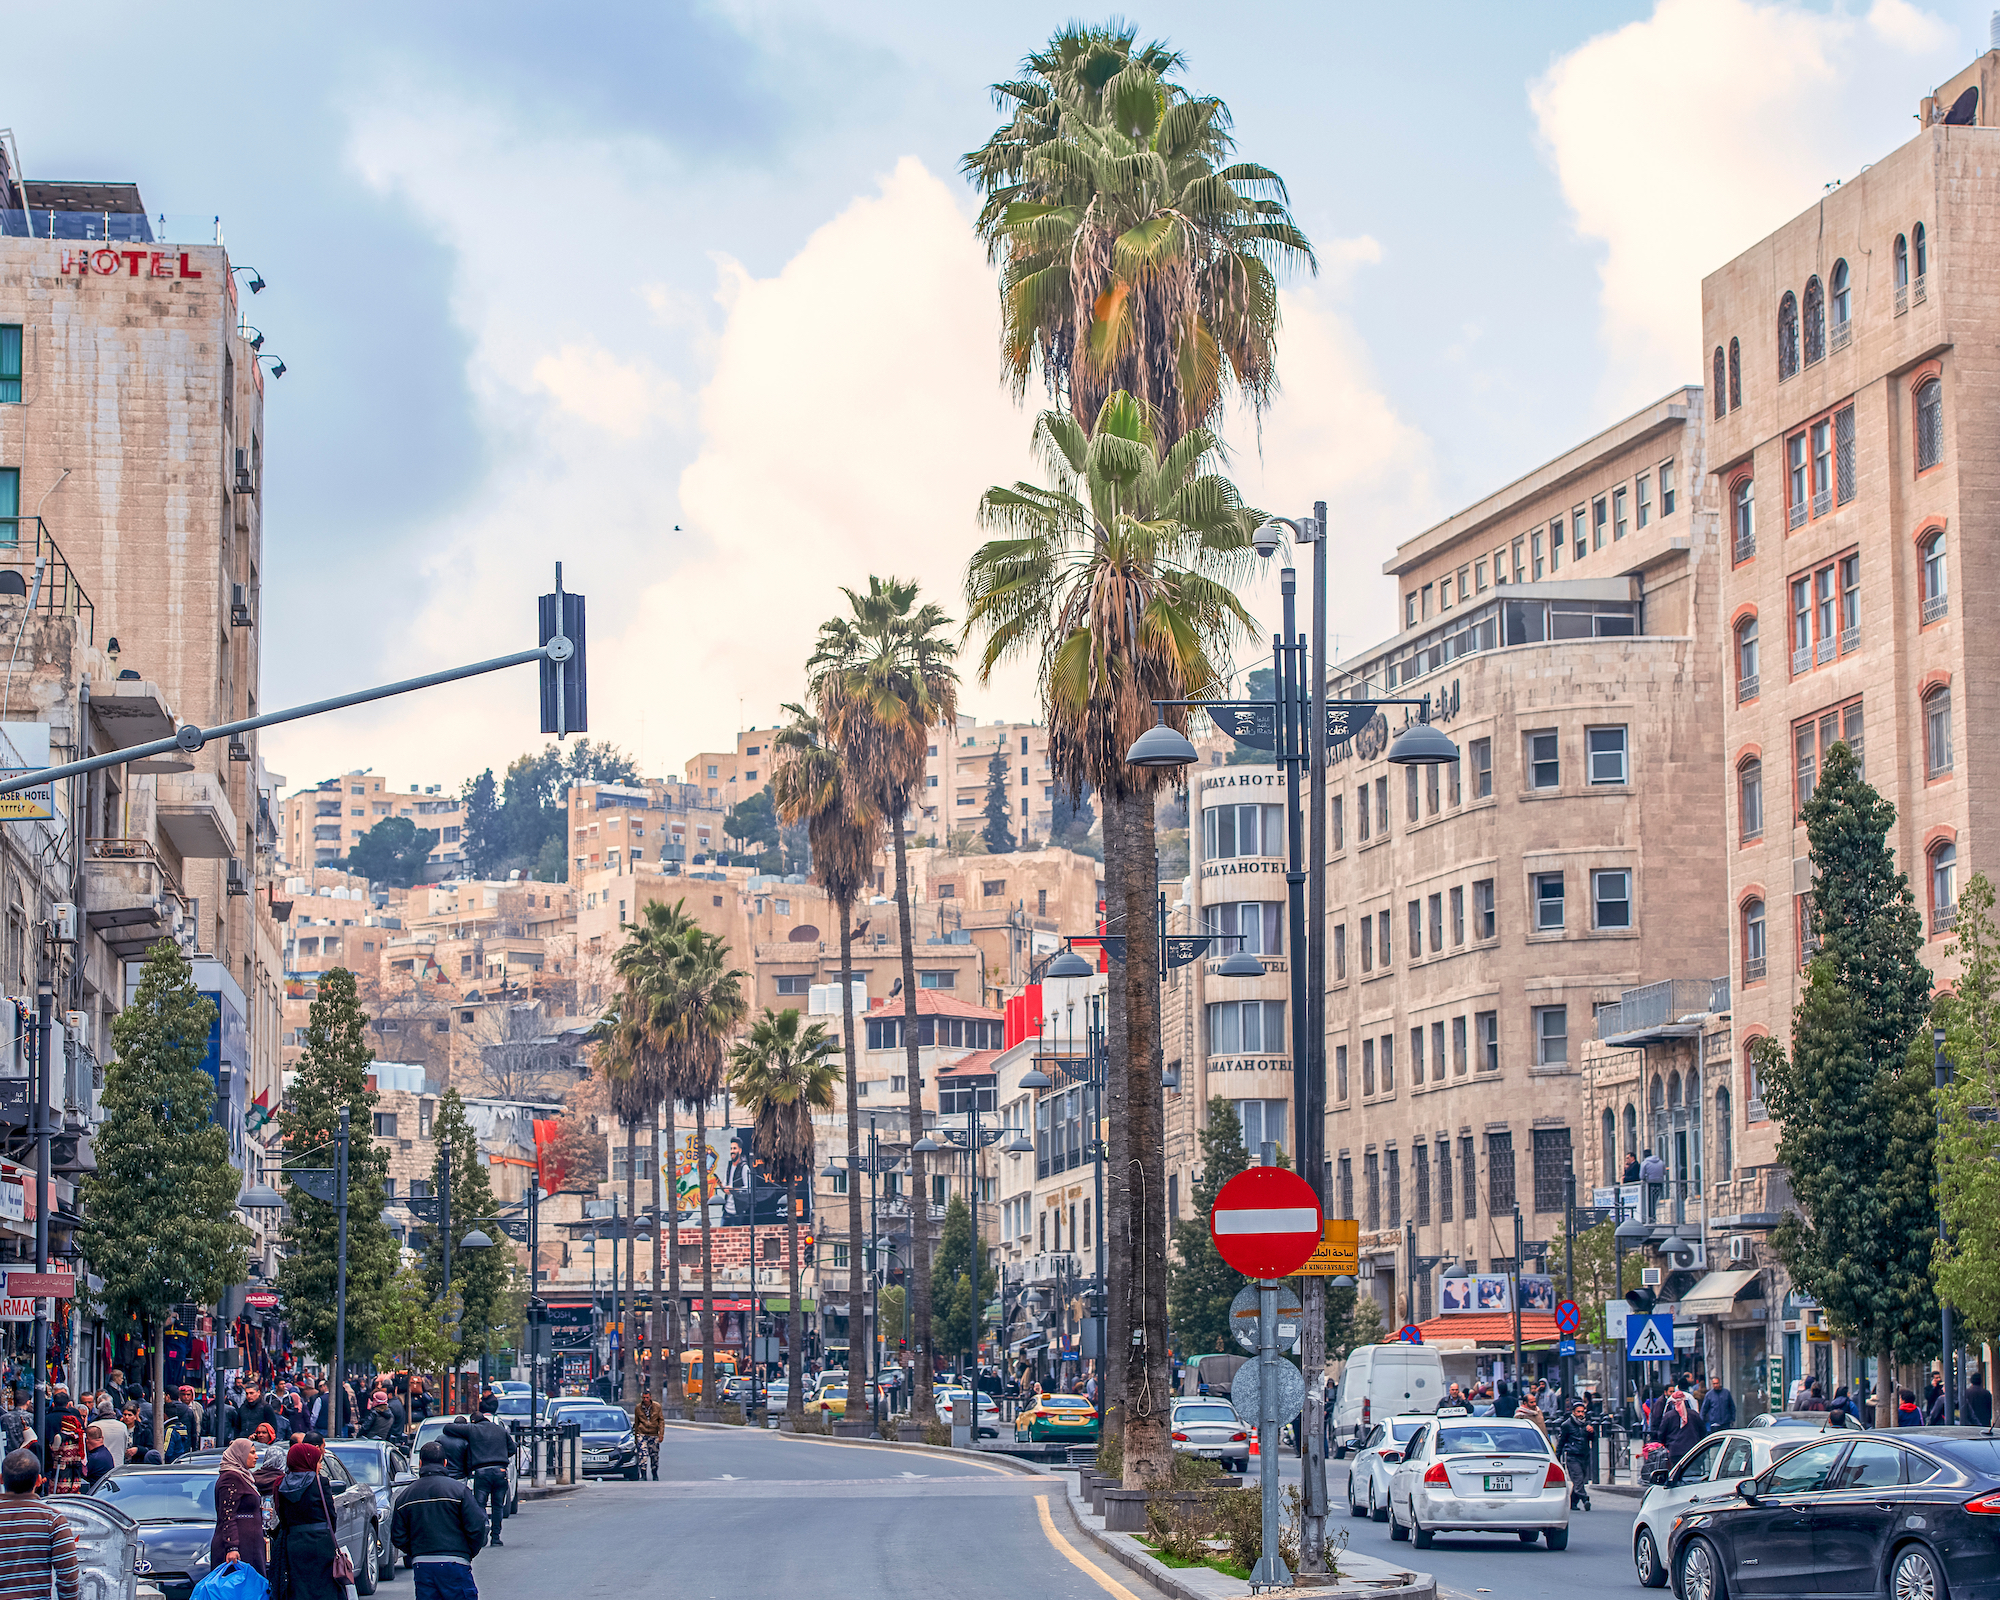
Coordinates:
1492 1328
1716 1295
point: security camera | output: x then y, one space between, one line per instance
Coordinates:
1266 539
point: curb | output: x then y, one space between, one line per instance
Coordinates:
529 1492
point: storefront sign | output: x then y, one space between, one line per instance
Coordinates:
262 1299
24 748
13 1200
104 262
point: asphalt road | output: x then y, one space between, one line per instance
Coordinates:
742 1514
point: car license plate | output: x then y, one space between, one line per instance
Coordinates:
1209 1453
1499 1485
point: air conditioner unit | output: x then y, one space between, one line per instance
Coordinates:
1740 1247
1651 1277
239 749
62 922
238 880
245 484
239 605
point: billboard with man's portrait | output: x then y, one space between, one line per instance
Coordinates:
729 1175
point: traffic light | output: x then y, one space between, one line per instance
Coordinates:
1641 1300
565 701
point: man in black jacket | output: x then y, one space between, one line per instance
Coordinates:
1575 1442
254 1413
487 1447
439 1528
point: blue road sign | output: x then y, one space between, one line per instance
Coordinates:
1650 1338
1566 1348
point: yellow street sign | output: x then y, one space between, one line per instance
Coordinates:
1339 1252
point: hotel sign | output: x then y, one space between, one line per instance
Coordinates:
105 262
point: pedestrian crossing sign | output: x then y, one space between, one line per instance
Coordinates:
1649 1338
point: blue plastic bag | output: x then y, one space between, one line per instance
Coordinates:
233 1580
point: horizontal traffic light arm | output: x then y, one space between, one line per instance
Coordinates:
191 738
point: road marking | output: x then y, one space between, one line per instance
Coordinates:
915 1474
1070 1553
726 1477
845 1444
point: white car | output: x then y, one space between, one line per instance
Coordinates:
1710 1471
1479 1475
1211 1429
988 1426
1374 1459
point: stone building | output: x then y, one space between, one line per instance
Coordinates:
321 825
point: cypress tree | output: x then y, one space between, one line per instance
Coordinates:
1200 1284
160 1227
1853 1094
333 1073
478 1277
954 1305
998 832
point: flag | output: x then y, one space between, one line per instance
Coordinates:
259 1112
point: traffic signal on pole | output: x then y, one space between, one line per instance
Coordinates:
564 694
1641 1300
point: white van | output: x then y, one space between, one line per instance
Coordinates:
1382 1381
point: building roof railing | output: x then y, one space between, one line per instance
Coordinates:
25 543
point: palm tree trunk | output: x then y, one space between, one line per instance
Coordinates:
795 1323
705 1411
1148 1396
656 1344
627 1345
919 1274
676 1398
1115 1129
859 1333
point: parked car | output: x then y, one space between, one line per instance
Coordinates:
606 1447
1211 1429
1065 1417
175 1509
1915 1515
519 1463
1479 1475
1708 1473
831 1401
1384 1380
381 1468
988 1424
1374 1459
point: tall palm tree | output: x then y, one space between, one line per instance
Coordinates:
621 1052
1135 255
782 1073
810 784
1115 579
882 679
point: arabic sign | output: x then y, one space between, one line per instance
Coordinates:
1339 1251
1257 725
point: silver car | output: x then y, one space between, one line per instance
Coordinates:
1374 1458
1709 1471
1211 1429
1479 1475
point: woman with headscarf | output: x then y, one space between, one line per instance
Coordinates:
239 1509
303 1549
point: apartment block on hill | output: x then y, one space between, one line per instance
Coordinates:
321 825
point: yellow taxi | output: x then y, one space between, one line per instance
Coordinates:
829 1402
1056 1417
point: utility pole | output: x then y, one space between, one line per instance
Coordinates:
1519 1377
1569 1270
340 1274
444 1235
1941 1072
44 1027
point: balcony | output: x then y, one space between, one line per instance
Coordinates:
1917 295
1838 335
131 899
1796 517
1825 650
1822 502
1902 298
195 814
1746 547
1746 688
1670 1009
1801 661
1944 919
1753 969
1850 641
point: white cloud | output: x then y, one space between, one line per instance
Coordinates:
619 397
1681 139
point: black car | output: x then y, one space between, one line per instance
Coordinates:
605 1446
381 1468
175 1509
1913 1514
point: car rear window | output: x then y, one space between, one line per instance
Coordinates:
1065 1402
1493 1439
598 1421
1204 1414
1982 1455
1400 1428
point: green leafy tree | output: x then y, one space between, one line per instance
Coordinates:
417 1323
998 832
394 851
1853 1094
753 824
478 1277
955 1305
1596 1268
160 1224
1968 1261
1200 1284
511 832
332 1073
895 1314
552 865
1361 1324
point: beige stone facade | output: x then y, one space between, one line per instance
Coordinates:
320 825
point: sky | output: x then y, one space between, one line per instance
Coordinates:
686 297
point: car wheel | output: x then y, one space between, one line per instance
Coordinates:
1354 1507
1701 1573
1379 1513
386 1572
1558 1538
364 1569
1916 1576
1420 1536
1397 1532
1646 1560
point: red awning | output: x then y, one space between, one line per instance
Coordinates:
1490 1327
699 1304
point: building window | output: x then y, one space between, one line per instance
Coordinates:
1420 1171
1551 1169
1936 580
1611 898
1920 240
1788 336
1944 886
1605 750
1843 303
1415 911
1367 1066
1826 613
1843 455
1361 811
1468 1180
1813 738
1544 768
1256 927
1937 732
10 362
1340 1072
1381 810
1411 802
1556 543
1548 887
1395 1163
1725 1133
1437 1052
1382 938
1346 1191
1551 1036
1481 752
1850 603
1536 541
1484 922
1930 424
1340 950
1815 321
1387 1056
1246 1027
1371 1181
1721 386
1666 488
1599 515
937 980
1437 923
1486 1029
1746 659
1618 516
1576 525
1368 943
794 983
1753 941
1338 820
1228 831
10 517
1458 916
1743 518
1263 1121
385 1124
1444 1178
1750 799
1431 788
1458 1054
1608 1148
1499 1173
1735 374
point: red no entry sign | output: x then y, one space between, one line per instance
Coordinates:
1266 1222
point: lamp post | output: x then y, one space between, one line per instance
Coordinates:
1298 728
1941 1071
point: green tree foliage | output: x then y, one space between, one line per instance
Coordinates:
998 831
1200 1284
1968 1263
333 1072
160 1225
478 1277
1071 821
394 851
754 827
1596 1274
955 1308
1262 685
532 807
895 1313
484 839
417 1322
1853 1094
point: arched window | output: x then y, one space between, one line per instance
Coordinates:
1743 518
1735 374
1725 1135
1815 321
1631 1131
1937 732
1920 241
1930 423
1788 336
1610 1147
1721 380
1902 263
1674 1091
1746 659
1944 886
1753 941
1937 582
1750 798
1843 298
1753 1084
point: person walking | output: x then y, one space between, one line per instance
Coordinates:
649 1427
380 1422
255 1410
1718 1407
239 1510
303 1549
485 1448
1978 1401
1679 1426
1575 1444
97 1457
38 1548
439 1528
1528 1411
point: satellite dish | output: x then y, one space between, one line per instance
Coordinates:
1963 109
804 933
